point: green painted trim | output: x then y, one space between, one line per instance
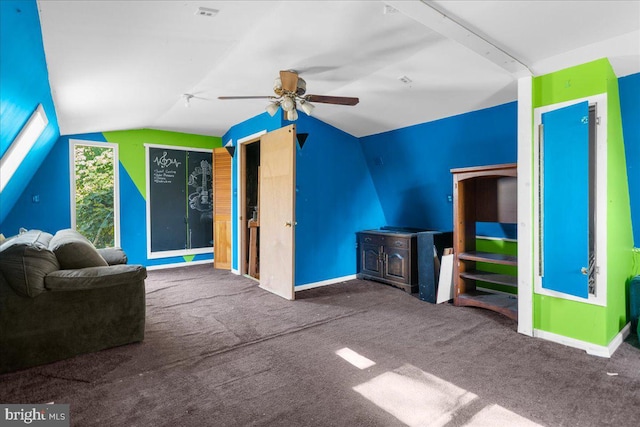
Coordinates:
132 152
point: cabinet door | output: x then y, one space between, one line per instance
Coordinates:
565 199
397 264
370 263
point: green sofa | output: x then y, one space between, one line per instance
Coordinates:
60 297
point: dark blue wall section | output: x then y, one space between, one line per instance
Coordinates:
335 198
629 88
25 84
411 166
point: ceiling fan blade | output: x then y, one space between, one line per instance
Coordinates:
289 81
247 97
340 100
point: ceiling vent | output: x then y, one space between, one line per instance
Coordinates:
206 11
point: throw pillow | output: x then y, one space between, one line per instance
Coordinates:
73 250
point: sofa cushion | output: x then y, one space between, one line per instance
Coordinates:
95 277
113 256
73 250
25 261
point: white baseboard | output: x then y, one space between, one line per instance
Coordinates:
590 348
179 264
323 283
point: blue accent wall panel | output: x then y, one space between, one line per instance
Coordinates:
25 84
629 89
565 195
411 166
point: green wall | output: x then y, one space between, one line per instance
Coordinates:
587 322
132 154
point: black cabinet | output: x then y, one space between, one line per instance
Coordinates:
389 257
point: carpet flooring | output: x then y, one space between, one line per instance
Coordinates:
219 351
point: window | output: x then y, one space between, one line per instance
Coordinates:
95 204
20 146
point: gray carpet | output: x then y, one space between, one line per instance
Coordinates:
219 351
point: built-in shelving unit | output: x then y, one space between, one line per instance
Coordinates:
483 194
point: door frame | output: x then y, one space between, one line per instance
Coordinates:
241 229
601 200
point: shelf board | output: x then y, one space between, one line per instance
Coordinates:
503 304
489 257
484 276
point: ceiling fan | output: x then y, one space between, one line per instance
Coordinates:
290 91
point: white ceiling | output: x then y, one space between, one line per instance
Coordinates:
116 65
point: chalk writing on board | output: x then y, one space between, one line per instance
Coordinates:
163 176
165 162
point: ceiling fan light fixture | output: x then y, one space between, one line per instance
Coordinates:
301 88
277 86
272 108
292 115
288 103
307 107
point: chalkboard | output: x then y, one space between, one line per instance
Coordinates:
179 200
200 212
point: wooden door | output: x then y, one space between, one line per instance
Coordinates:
221 209
277 211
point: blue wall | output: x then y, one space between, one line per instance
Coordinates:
335 197
51 183
411 166
629 88
25 84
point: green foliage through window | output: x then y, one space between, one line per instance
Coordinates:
94 168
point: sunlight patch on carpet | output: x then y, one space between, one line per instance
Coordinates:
415 397
418 398
496 415
355 358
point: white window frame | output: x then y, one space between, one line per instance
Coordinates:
116 183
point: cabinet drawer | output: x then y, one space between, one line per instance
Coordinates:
371 239
397 242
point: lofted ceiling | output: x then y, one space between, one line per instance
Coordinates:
116 65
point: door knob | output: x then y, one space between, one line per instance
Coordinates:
585 271
289 224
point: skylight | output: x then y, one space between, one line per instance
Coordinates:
22 145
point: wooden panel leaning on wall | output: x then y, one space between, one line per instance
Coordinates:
221 209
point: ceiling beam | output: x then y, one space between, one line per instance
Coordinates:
425 13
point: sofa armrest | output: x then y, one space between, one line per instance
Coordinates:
113 256
94 277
